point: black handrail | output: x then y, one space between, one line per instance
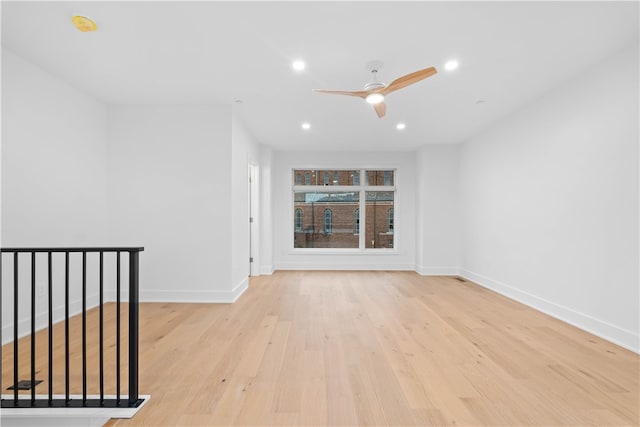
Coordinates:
87 249
133 399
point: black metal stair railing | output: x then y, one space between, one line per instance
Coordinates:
14 256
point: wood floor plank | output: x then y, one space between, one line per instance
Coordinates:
356 348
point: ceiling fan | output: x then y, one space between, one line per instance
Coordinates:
375 91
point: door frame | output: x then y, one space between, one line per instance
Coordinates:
254 219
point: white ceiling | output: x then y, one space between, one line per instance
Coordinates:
220 52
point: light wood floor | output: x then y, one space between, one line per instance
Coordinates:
370 348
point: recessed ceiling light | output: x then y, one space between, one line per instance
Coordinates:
400 126
451 65
298 65
83 23
306 126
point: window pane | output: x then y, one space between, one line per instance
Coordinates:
304 177
380 177
328 220
380 219
326 177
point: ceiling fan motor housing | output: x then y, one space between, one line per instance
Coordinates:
374 67
374 85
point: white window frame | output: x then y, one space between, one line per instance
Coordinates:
362 189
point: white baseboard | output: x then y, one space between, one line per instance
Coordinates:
622 337
75 307
239 289
42 318
110 295
266 270
64 417
349 267
151 295
437 271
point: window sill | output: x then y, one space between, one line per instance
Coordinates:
343 251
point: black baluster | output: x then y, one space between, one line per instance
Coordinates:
15 329
33 328
84 328
50 283
101 329
66 328
133 327
1 377
118 329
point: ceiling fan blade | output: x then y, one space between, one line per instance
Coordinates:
409 79
381 109
358 93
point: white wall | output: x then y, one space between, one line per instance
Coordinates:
54 177
402 259
170 191
438 212
266 209
550 202
244 150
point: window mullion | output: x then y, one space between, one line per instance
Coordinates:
363 220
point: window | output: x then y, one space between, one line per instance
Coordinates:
328 221
299 219
380 177
298 179
356 222
329 218
348 214
378 204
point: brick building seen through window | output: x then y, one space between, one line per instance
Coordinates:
332 218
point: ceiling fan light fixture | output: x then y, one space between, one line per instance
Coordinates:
375 98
